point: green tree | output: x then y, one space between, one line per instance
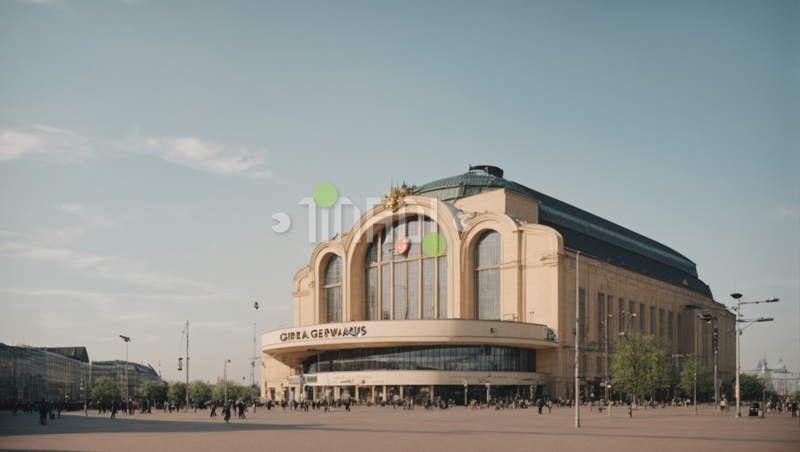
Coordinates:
688 378
104 390
632 363
661 373
152 391
200 391
177 393
750 387
235 391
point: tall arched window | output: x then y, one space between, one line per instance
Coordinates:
332 285
404 282
487 277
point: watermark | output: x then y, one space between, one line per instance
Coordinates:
325 198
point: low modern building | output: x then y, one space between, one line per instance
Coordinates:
465 288
127 375
29 374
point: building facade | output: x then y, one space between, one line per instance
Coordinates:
465 288
29 374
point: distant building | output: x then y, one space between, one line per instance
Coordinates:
776 378
60 373
465 288
120 371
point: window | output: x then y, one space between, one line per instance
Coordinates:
332 285
641 319
487 277
621 315
652 320
660 323
601 318
408 285
670 325
582 317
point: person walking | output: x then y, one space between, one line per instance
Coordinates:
213 409
539 404
43 408
227 410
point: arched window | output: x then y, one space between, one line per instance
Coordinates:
405 282
332 285
487 277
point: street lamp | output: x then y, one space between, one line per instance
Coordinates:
225 378
253 362
577 341
605 350
715 345
738 297
126 339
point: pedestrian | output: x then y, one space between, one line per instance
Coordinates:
213 409
539 404
43 407
114 409
226 410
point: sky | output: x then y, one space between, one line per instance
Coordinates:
146 145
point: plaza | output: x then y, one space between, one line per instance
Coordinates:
387 429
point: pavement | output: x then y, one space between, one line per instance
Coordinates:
386 429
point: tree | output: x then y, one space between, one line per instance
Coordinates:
688 377
631 362
155 392
177 393
235 391
199 391
750 387
104 390
661 373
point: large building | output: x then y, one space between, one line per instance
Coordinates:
465 288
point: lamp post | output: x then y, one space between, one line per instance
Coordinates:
253 362
738 297
577 341
126 339
630 316
85 384
605 350
694 369
225 378
714 344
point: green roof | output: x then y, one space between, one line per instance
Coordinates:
581 230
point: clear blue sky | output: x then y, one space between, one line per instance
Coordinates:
145 146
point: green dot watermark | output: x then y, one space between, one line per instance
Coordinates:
433 245
325 195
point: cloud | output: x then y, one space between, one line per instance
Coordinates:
91 221
42 140
786 211
195 153
200 155
16 144
105 267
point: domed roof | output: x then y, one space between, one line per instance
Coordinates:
581 230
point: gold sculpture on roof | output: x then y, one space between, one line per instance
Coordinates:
394 200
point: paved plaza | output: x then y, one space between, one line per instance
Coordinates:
387 429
